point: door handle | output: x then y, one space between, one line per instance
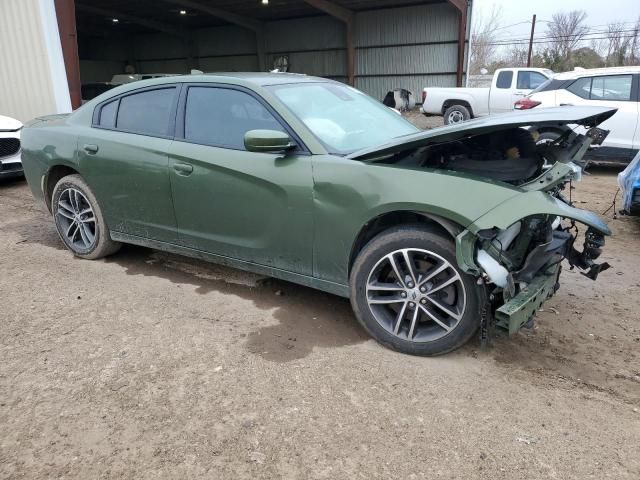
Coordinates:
91 149
183 168
566 104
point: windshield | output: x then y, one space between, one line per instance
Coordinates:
343 118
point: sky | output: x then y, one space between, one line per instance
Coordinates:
599 13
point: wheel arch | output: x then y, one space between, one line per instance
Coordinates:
398 218
53 176
451 102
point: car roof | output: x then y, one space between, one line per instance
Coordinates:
251 79
589 72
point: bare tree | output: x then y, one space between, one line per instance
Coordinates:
621 45
483 37
565 32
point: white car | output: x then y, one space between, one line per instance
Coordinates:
10 163
617 87
460 104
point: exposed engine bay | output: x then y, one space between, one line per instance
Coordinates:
510 155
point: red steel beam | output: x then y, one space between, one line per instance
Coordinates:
66 15
463 9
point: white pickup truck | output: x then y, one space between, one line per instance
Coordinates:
460 104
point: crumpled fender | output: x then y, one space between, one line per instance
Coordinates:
534 203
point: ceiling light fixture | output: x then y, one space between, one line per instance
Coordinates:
265 2
183 12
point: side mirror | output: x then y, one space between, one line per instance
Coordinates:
267 141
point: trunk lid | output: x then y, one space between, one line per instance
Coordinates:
544 117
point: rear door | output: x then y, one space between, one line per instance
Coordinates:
124 158
255 207
617 91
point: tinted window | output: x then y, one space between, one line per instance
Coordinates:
221 117
146 112
581 87
528 80
614 87
108 114
504 79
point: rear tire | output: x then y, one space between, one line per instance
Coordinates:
456 114
433 309
79 220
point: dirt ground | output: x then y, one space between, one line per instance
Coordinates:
148 365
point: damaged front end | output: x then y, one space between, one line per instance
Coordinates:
517 248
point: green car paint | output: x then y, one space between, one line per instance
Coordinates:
291 215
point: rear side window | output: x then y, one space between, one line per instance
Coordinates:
613 87
108 115
146 112
610 87
504 79
528 80
221 116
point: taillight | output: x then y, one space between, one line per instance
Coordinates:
525 104
424 96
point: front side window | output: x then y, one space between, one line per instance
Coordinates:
146 112
529 80
504 79
342 118
222 116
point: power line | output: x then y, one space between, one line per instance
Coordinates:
525 42
569 37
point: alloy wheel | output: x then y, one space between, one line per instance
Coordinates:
416 295
76 219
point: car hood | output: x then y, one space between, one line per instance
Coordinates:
543 117
8 124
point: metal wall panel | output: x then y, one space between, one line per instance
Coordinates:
422 23
405 60
377 87
397 47
229 64
328 63
158 45
32 76
312 33
228 40
99 70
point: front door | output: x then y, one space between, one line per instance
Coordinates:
255 207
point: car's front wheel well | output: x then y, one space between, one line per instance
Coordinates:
389 220
53 176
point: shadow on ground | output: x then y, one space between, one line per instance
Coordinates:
307 318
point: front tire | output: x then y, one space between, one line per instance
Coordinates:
408 292
79 220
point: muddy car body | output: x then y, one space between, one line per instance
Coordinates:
431 234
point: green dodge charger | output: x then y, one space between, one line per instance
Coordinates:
433 235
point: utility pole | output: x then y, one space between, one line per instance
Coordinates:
533 28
